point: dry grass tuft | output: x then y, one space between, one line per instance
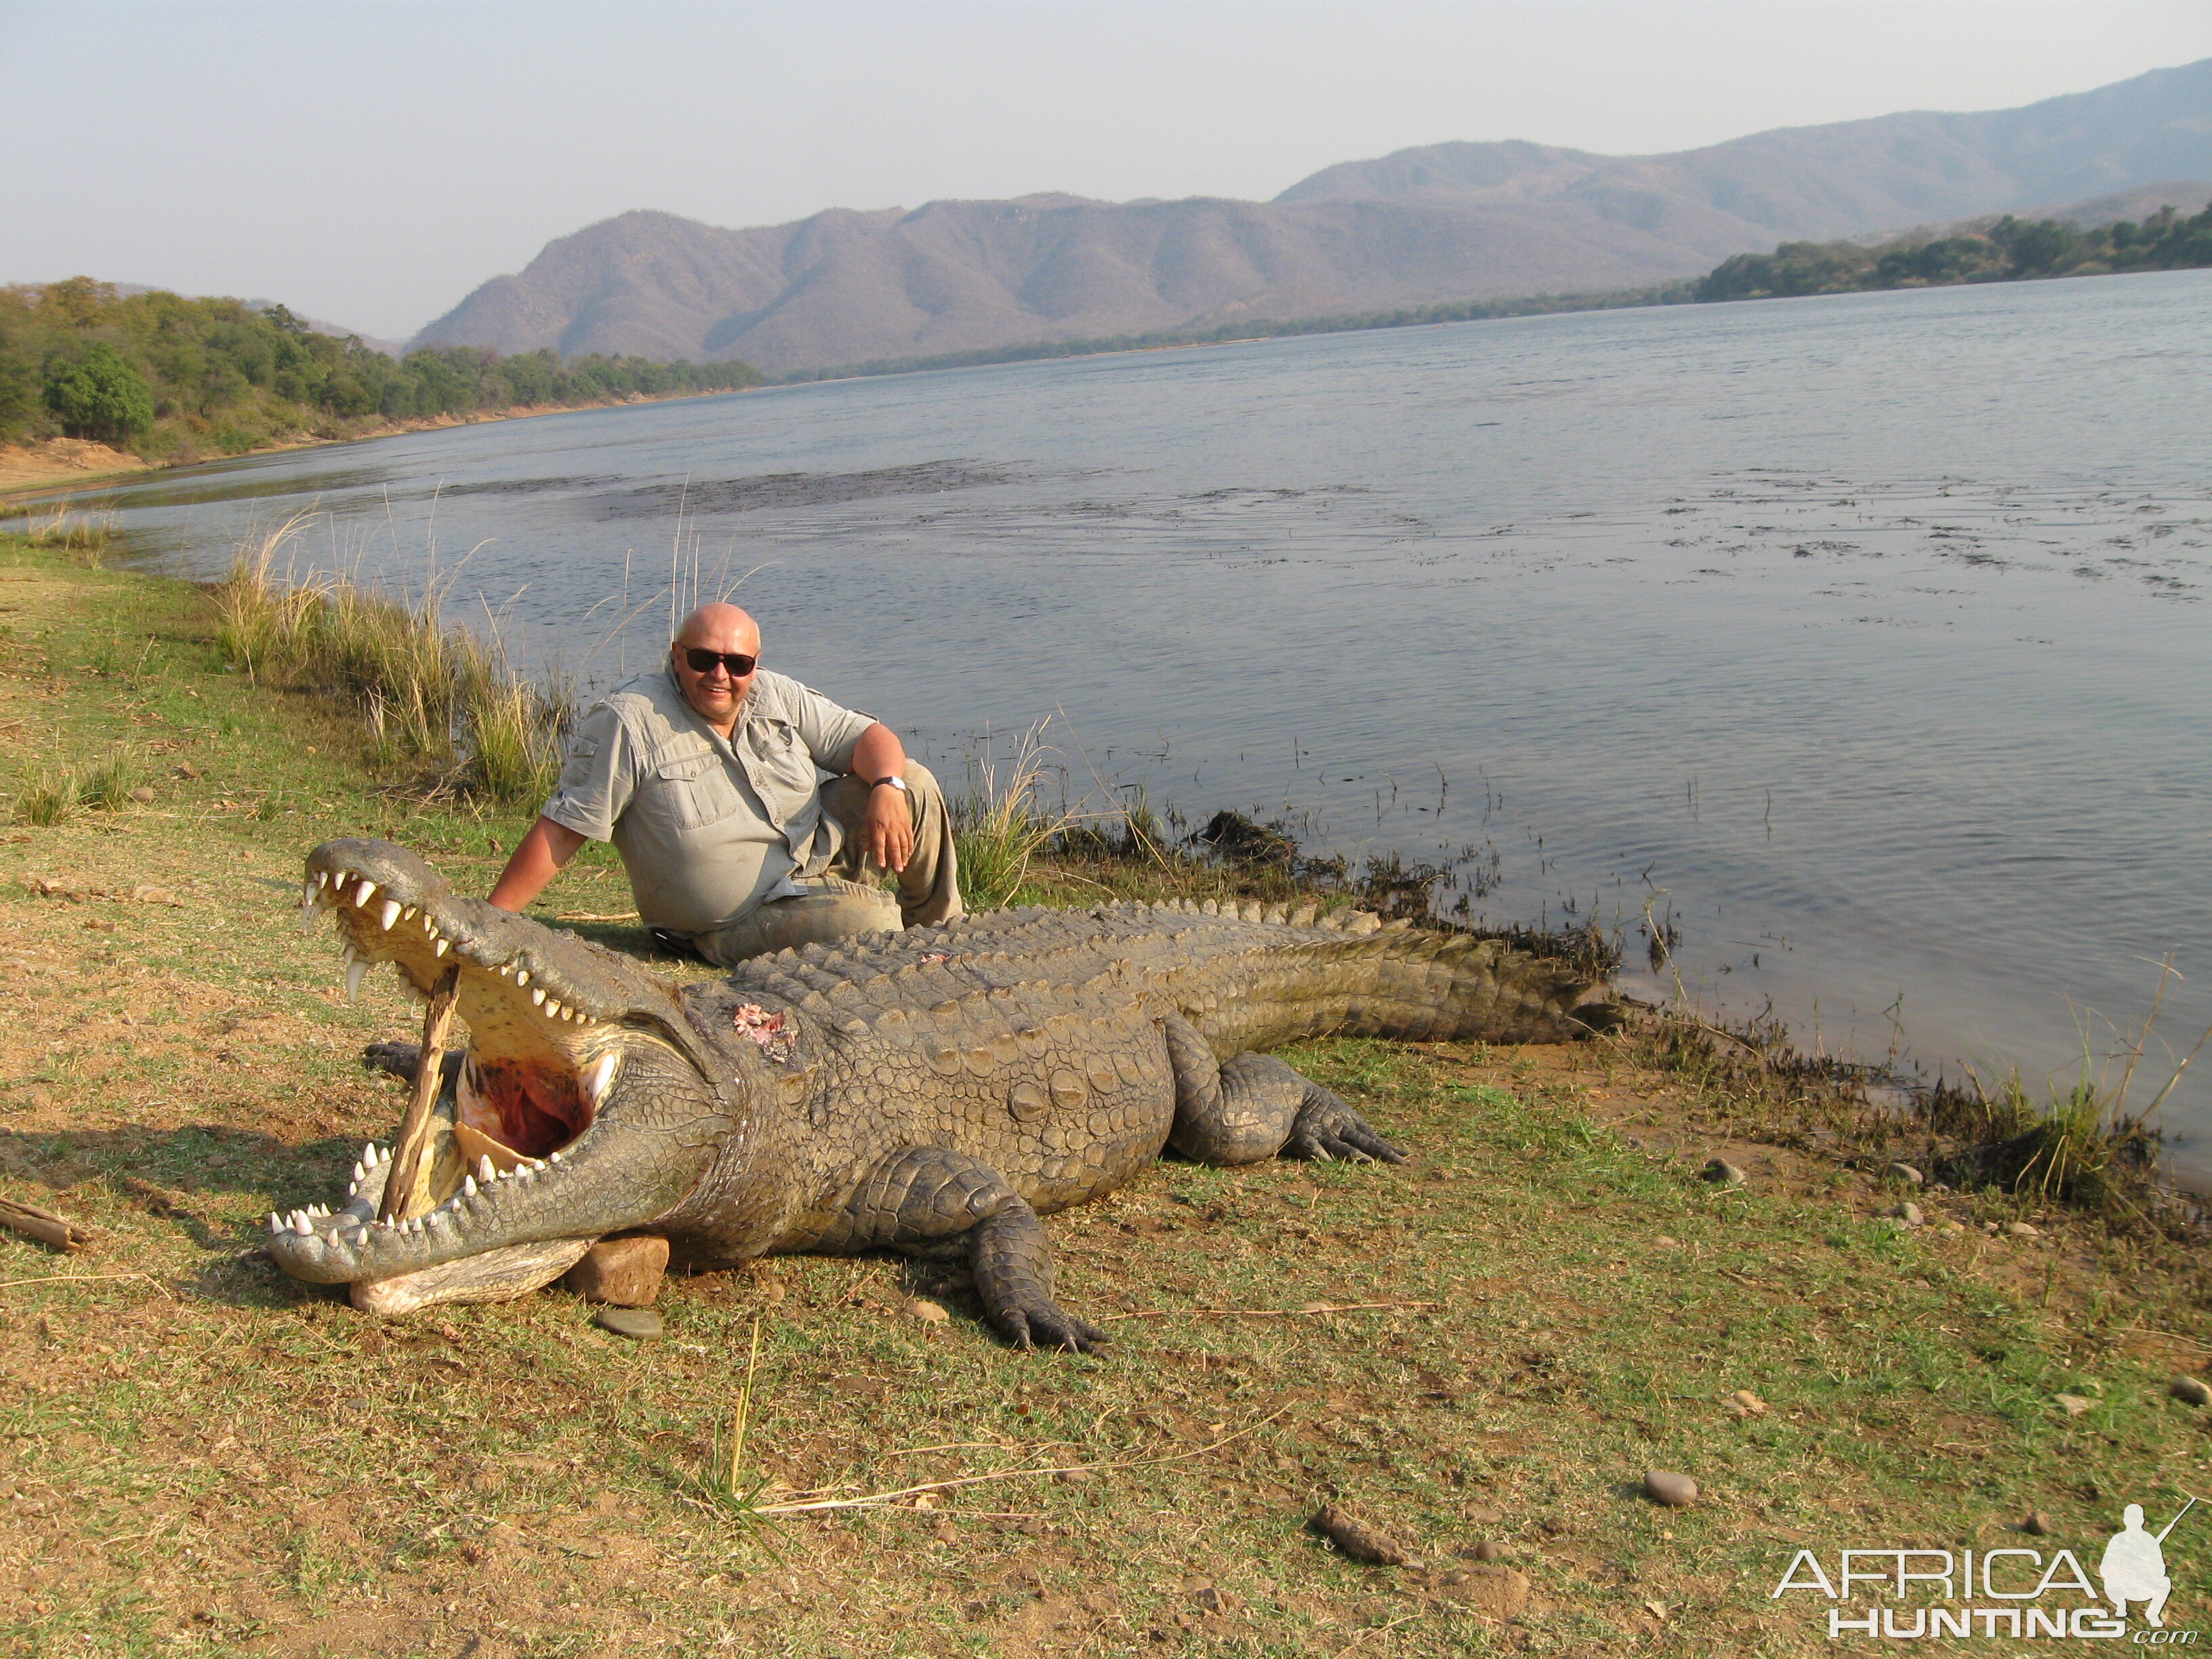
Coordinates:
426 692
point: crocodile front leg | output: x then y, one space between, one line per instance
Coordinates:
1255 1107
926 1195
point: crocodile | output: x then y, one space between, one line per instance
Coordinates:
933 1091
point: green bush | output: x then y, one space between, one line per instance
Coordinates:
99 395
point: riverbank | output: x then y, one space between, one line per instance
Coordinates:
66 464
1488 1347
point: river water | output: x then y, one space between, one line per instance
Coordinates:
1864 638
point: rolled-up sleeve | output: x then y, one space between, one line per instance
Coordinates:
597 776
829 731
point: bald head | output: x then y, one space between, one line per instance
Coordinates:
715 691
719 627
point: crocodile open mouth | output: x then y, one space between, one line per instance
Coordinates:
538 1065
554 1030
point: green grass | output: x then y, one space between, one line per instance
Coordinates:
206 1457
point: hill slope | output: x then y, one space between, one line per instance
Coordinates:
1445 221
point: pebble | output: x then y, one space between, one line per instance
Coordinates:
1911 1214
2036 1523
2193 1390
930 1312
2073 1404
1750 1401
1675 1491
1723 1173
1905 1173
1486 1551
1667 1244
143 795
639 1324
2021 1230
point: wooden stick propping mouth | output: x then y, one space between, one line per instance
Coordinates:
415 1127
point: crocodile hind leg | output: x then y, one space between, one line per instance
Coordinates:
1255 1107
922 1198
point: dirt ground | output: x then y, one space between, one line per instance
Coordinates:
1481 1353
61 460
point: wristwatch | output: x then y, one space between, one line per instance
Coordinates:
895 780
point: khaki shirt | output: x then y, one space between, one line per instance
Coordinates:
707 827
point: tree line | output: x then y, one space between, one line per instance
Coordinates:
2011 250
176 379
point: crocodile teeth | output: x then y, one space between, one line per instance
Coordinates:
353 1189
537 997
409 914
468 1186
370 1157
596 1079
484 1171
310 905
507 971
322 880
388 915
362 898
356 971
443 946
302 1225
522 977
276 1222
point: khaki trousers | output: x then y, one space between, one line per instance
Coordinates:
841 898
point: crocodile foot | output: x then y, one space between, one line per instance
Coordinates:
1041 1322
1326 1127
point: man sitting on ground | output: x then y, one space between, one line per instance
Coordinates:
706 777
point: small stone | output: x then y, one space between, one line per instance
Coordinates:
1722 1173
1905 1173
1953 1227
2036 1523
143 795
2073 1404
1675 1491
1486 1551
2191 1390
929 1312
1751 1404
1909 1214
1667 1244
639 1324
2021 1230
624 1273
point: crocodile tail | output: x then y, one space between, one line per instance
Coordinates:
1412 984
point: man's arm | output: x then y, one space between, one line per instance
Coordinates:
542 853
887 831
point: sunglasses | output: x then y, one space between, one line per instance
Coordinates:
702 661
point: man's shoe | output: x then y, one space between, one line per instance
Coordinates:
676 944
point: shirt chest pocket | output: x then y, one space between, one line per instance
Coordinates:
782 769
695 789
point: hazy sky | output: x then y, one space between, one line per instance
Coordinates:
373 161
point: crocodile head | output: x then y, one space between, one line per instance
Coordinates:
584 1103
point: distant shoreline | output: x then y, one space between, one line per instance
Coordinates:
27 471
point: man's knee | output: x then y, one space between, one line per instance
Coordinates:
836 910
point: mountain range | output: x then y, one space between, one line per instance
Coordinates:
1441 223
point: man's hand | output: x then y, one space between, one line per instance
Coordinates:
887 832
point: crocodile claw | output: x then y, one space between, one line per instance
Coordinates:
1326 1130
1047 1325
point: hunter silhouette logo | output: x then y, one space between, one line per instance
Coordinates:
2133 1567
2008 1592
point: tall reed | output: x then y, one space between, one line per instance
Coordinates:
426 692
